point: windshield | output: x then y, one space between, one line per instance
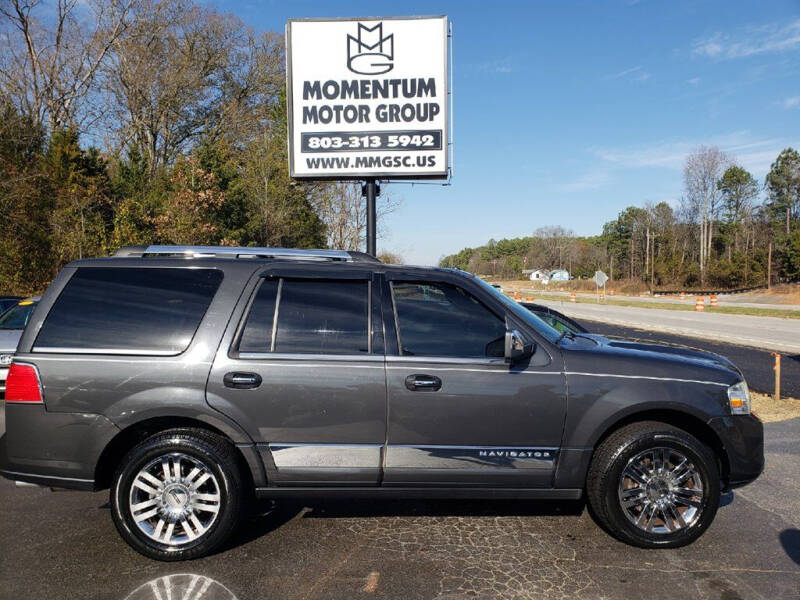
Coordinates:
17 317
523 313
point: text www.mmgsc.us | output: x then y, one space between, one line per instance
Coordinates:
371 162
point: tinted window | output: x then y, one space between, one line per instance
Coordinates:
6 304
129 309
257 333
444 320
314 316
326 317
17 316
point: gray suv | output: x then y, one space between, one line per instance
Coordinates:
189 380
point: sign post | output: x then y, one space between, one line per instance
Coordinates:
600 279
370 190
368 100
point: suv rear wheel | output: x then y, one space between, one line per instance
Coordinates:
178 494
653 485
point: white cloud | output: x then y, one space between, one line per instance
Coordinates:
623 73
754 154
591 180
633 74
502 65
693 81
793 102
776 37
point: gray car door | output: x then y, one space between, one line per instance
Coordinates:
303 372
459 414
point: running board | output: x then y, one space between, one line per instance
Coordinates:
406 492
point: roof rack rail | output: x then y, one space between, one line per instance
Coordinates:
243 252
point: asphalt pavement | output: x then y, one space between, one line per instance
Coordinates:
756 364
63 544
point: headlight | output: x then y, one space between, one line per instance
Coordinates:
739 398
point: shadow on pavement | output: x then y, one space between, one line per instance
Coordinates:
266 517
790 540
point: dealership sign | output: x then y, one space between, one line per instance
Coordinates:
368 98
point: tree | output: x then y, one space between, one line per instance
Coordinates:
171 76
739 190
281 211
189 214
82 213
391 258
25 204
783 186
701 172
50 63
783 205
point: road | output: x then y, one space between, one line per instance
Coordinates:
772 333
63 545
724 299
755 364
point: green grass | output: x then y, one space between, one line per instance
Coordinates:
689 306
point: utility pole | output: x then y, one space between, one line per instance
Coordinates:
647 255
769 266
371 190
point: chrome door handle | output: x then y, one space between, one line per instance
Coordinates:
423 383
242 381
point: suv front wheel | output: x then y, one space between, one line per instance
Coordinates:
178 494
653 485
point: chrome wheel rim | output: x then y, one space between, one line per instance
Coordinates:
174 499
661 491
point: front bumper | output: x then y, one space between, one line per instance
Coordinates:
742 437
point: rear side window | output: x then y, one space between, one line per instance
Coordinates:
308 316
129 310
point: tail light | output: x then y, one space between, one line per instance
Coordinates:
22 384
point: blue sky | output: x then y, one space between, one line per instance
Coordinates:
567 112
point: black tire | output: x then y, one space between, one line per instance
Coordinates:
603 483
217 455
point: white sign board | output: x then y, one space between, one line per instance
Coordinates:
600 278
368 98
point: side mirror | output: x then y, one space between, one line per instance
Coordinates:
516 349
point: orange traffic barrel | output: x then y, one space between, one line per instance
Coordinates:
713 300
683 295
572 297
700 304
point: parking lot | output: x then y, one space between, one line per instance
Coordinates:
63 545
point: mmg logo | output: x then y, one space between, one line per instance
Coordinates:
369 53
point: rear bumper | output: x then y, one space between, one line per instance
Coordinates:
743 439
53 448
